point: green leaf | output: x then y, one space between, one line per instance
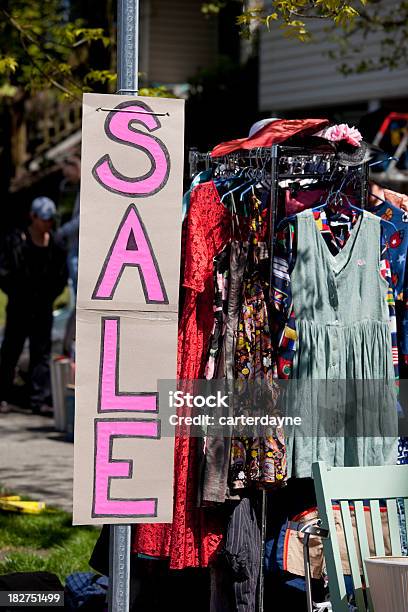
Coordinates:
269 18
8 64
100 76
212 8
156 92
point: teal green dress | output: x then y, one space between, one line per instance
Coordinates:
343 381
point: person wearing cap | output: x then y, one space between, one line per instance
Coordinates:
33 272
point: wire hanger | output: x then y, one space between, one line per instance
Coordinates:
259 175
240 175
235 225
231 191
253 182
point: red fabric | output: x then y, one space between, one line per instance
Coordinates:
195 534
273 133
302 200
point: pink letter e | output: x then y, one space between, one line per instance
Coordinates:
106 468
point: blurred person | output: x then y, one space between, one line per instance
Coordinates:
69 232
33 273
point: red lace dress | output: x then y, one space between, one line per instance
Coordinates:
195 534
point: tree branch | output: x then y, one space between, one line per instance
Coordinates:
307 16
24 34
46 76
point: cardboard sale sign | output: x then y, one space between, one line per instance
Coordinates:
127 307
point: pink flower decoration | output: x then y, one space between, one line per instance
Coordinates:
342 131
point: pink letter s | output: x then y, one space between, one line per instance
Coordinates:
119 127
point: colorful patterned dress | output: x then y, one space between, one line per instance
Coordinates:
256 460
259 461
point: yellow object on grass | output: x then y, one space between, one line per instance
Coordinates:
10 497
13 503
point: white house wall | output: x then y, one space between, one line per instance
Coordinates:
300 75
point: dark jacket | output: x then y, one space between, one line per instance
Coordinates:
30 274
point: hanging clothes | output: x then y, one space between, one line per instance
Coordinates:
395 242
256 460
299 200
259 461
343 334
217 453
264 462
208 460
194 535
201 177
396 236
234 576
220 307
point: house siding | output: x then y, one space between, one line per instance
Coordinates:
295 75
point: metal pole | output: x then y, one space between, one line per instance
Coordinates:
119 568
128 83
128 47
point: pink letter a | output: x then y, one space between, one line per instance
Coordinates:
131 247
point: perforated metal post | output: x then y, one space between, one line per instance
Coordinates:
128 47
128 83
119 568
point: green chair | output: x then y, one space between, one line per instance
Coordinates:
358 485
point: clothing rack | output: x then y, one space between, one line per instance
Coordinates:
297 162
285 162
280 162
195 158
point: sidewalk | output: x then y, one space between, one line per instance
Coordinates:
35 460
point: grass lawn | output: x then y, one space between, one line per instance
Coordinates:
44 542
